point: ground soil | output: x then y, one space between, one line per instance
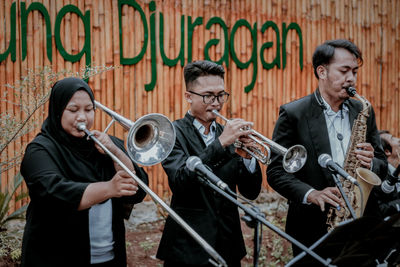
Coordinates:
142 238
142 244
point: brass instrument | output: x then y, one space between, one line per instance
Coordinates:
150 140
294 158
367 179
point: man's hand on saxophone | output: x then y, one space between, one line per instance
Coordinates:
330 195
365 153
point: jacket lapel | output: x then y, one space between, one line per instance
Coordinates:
318 129
191 132
318 132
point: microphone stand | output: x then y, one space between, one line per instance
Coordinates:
256 242
258 216
319 241
346 200
250 222
303 254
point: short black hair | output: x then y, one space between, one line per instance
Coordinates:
196 69
324 53
385 144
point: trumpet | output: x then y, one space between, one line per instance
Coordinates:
294 158
150 140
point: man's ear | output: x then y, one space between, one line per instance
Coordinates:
322 72
188 97
388 153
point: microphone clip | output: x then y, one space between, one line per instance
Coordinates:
318 97
388 185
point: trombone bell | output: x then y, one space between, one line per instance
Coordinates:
150 139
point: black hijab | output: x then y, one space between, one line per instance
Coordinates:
61 94
77 158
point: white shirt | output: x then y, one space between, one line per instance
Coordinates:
337 123
100 232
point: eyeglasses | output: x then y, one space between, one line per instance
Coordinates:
209 98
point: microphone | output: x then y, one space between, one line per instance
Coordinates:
326 161
194 164
388 185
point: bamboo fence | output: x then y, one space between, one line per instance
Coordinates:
372 24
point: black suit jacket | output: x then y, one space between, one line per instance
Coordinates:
56 232
303 122
207 212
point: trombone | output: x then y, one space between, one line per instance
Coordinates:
150 140
294 158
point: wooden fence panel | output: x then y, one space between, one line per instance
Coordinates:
372 24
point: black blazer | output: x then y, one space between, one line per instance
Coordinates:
207 212
303 122
56 233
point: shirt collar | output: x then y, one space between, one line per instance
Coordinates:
329 110
201 128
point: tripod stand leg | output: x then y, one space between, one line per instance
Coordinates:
257 242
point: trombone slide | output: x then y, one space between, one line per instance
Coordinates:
157 199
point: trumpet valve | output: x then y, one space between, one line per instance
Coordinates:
238 144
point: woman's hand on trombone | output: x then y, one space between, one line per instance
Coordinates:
120 185
106 141
109 144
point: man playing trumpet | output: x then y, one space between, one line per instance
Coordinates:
198 134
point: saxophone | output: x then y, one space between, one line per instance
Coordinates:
357 196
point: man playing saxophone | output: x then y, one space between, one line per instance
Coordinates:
322 122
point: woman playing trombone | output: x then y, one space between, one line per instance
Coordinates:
79 196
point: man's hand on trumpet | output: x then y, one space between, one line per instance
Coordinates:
237 129
245 142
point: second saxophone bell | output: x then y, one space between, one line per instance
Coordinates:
294 157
